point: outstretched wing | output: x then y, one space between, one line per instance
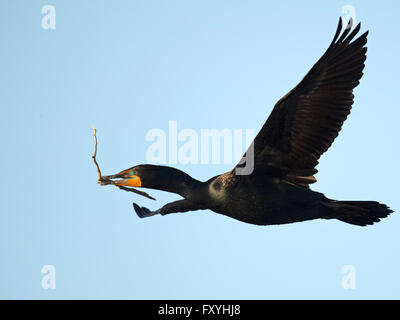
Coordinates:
305 122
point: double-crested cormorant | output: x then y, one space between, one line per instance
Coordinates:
300 128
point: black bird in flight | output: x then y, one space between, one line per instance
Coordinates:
301 127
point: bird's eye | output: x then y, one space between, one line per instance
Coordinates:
131 173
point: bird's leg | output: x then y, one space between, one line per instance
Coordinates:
172 207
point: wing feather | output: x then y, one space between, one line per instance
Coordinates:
305 122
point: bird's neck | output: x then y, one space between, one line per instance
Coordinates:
176 181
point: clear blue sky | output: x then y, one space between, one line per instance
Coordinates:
129 66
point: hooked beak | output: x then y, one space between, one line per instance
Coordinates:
122 179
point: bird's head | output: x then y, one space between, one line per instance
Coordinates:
144 175
151 176
138 176
147 176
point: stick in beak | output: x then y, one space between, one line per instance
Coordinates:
107 180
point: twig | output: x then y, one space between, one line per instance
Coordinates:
142 193
100 178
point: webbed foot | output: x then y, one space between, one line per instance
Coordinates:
143 212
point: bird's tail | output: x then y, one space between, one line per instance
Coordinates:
360 213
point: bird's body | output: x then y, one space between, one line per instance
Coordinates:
262 200
301 127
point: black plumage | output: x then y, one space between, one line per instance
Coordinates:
301 127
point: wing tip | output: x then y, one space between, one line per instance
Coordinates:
344 36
